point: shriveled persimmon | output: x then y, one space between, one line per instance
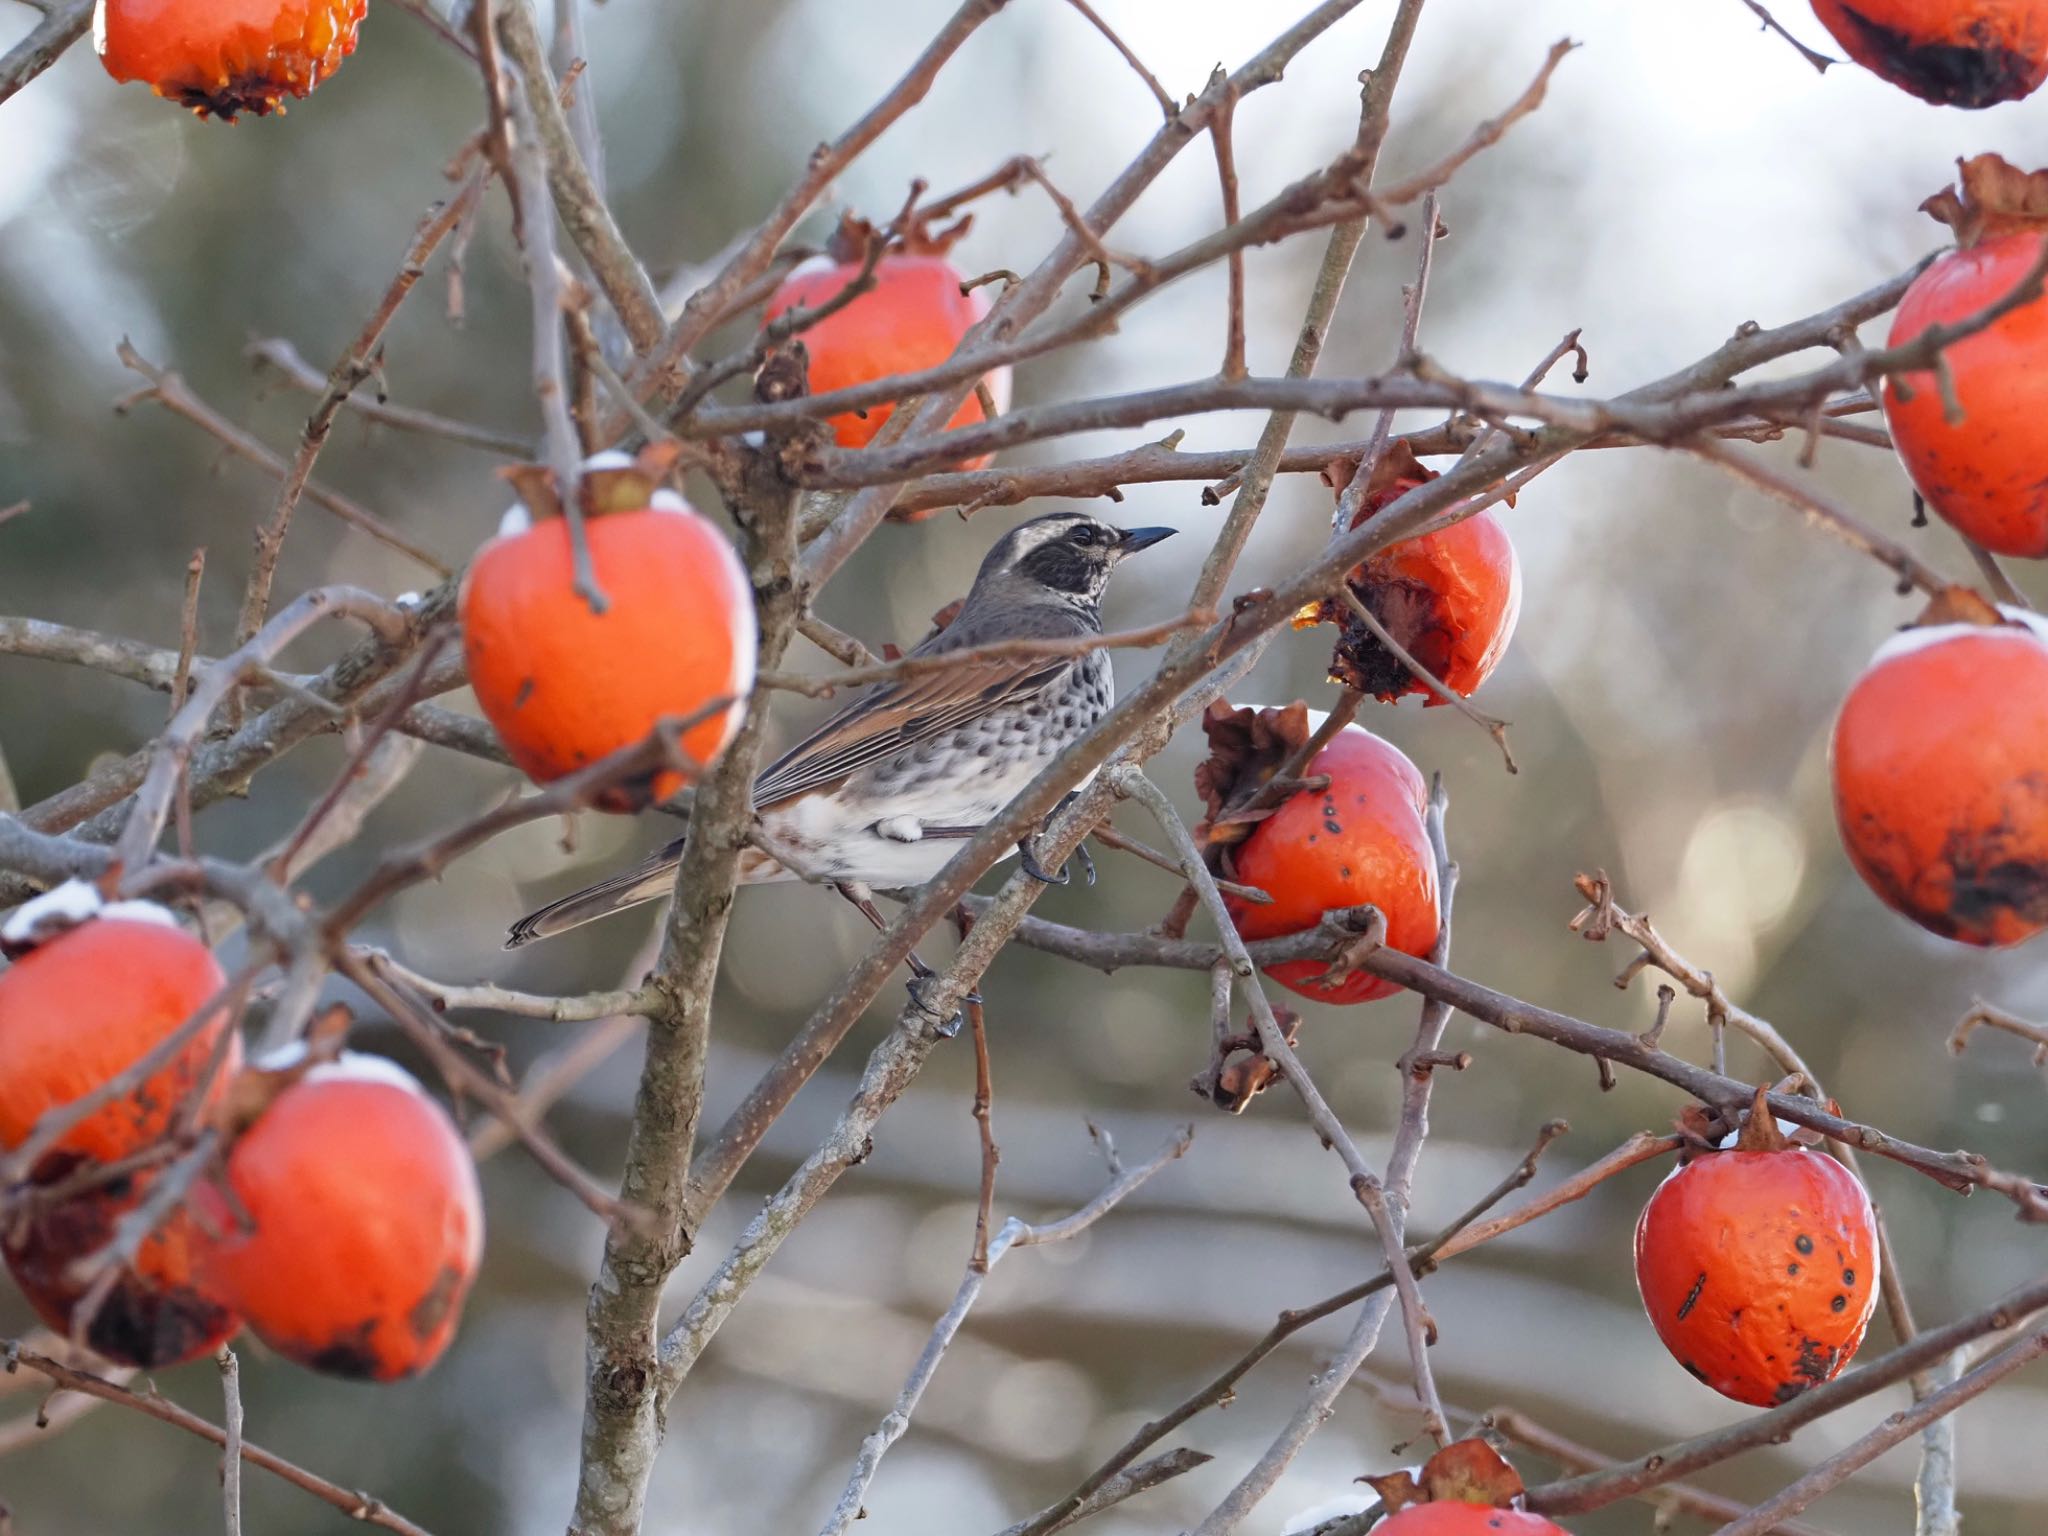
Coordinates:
1465 1489
1449 599
912 318
157 1313
85 1003
355 1225
565 684
1985 471
1360 840
1758 1265
1940 765
226 56
1954 53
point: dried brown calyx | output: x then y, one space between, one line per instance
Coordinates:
1995 198
1247 749
609 482
850 243
1463 1472
1241 1070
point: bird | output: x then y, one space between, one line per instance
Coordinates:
880 795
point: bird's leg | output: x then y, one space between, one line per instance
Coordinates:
920 973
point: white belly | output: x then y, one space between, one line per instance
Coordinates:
881 841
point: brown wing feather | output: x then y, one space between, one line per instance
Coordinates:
900 716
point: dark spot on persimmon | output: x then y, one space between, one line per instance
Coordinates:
431 1310
349 1355
526 687
1848 1277
1692 1296
1951 74
1803 1243
1839 1304
1792 1268
1697 1374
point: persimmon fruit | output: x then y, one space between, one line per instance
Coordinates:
1985 473
79 1008
1451 1518
564 685
158 1312
1758 1265
1361 841
1465 1489
912 318
1940 767
355 1225
1449 598
226 57
1954 53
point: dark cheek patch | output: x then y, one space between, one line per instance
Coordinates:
1061 567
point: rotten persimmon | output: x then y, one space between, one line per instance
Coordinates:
911 318
1954 53
1449 598
565 681
86 1000
1973 442
351 1223
1359 839
155 1312
1757 1265
1940 787
226 57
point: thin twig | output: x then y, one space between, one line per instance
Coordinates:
231 1445
1497 729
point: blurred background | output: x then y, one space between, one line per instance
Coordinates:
1682 649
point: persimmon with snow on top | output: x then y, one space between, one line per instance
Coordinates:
565 682
1940 768
351 1223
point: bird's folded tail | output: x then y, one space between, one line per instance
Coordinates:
650 880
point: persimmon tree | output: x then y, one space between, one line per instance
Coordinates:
872 389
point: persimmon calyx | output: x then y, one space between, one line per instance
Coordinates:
1995 198
1463 1472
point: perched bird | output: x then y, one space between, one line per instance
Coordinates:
883 791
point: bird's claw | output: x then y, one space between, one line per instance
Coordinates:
1038 871
946 1026
1087 864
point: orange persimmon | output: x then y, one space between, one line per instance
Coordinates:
1758 1265
912 318
1465 1489
226 56
1360 841
1449 598
564 685
84 1003
158 1312
355 1225
1954 53
1985 472
1938 764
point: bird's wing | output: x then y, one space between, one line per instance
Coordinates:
895 717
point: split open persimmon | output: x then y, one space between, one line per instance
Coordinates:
87 1003
1758 1265
1940 766
1361 841
911 319
1985 471
226 56
355 1226
1954 53
565 685
1450 598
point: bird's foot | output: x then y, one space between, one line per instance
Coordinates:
1038 871
945 1023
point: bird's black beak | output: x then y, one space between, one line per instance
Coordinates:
1135 539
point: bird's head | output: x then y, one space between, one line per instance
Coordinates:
1062 557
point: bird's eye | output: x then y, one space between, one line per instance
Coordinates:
1083 536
